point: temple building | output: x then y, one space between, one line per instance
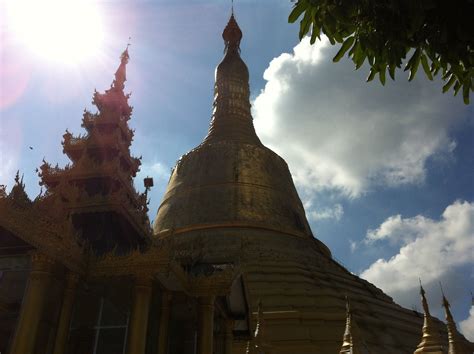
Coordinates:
230 264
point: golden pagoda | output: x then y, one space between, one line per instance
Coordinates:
83 271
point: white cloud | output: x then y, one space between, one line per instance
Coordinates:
156 170
339 133
467 326
433 250
335 212
353 245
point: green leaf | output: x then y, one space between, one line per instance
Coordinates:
344 48
305 24
426 67
314 33
331 38
415 64
382 76
450 83
359 55
371 75
391 71
457 86
300 6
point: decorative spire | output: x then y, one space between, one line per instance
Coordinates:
114 100
18 193
351 343
430 340
455 346
121 73
231 118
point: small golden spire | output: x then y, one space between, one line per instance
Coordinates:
351 343
430 340
455 346
259 343
231 118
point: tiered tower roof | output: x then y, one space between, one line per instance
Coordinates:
97 186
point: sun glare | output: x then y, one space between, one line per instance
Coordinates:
66 31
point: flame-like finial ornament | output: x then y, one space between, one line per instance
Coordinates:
455 346
232 34
430 339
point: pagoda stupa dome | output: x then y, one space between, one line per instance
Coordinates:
231 180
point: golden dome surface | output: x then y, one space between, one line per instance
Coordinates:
231 179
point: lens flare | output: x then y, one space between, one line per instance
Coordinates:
67 31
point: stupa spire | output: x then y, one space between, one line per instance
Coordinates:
455 346
351 343
430 340
231 118
121 73
232 34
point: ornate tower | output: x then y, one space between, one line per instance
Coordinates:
96 189
232 200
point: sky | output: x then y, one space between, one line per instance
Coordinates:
385 173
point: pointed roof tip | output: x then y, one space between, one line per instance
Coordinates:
430 339
455 346
445 303
124 57
352 340
232 33
120 74
424 301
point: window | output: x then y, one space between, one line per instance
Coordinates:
100 324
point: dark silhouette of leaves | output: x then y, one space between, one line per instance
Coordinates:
437 34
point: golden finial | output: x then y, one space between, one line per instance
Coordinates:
351 343
430 339
232 34
455 346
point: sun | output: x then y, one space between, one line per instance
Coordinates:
66 31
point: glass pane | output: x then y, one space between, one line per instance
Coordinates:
111 341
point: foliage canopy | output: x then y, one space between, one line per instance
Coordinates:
436 34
